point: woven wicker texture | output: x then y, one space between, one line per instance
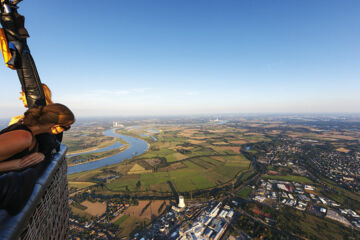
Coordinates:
51 217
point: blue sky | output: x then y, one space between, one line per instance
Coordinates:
193 56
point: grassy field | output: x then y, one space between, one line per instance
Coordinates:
84 176
200 173
83 139
80 185
341 195
121 219
187 158
289 178
80 212
312 227
244 193
128 224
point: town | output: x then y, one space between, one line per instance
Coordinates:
301 196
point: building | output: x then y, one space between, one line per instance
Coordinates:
337 217
215 210
181 202
117 124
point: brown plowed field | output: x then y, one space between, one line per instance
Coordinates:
153 209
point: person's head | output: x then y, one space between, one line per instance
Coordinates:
47 94
55 117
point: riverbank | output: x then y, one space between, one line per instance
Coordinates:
136 147
123 148
103 145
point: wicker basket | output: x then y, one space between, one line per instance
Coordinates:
50 219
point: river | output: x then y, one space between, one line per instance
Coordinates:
136 147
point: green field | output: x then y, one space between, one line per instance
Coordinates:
75 208
341 195
128 224
201 173
80 185
86 139
184 160
121 219
289 178
244 193
84 176
312 227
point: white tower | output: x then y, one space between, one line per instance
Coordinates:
181 202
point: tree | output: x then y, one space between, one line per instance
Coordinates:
138 184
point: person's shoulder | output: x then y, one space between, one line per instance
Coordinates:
20 135
23 133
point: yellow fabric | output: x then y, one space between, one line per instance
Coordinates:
16 119
5 48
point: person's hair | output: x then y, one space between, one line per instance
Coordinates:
47 94
55 113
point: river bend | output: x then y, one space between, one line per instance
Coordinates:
136 147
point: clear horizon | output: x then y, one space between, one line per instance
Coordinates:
164 58
355 115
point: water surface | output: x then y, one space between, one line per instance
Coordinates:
136 147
